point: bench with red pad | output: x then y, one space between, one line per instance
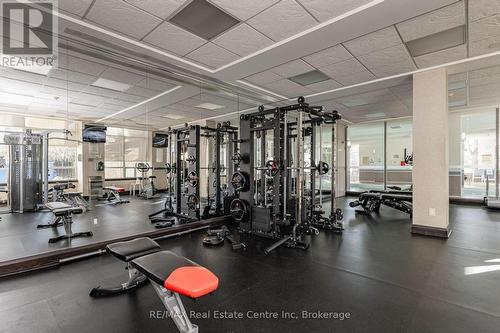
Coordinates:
170 274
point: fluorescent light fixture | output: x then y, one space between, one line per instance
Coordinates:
14 99
110 84
308 78
203 19
209 106
375 115
140 103
436 42
353 102
173 116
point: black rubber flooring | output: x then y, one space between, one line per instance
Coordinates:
385 278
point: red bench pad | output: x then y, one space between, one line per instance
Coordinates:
192 281
114 188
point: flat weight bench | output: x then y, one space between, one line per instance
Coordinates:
170 274
63 217
113 195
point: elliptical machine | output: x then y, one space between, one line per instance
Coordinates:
148 189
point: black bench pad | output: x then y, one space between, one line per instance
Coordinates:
158 266
129 250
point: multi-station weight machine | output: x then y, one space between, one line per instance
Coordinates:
278 171
186 200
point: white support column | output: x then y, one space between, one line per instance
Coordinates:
430 146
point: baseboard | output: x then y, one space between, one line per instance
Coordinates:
431 231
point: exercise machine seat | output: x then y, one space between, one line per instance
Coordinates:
192 281
62 208
176 273
130 250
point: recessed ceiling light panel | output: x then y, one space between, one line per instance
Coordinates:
173 116
436 42
209 106
110 84
309 78
203 19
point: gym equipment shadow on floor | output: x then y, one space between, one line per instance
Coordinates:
387 279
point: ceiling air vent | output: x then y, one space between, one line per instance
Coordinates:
436 42
309 78
203 19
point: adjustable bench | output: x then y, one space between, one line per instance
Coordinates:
128 251
170 274
63 216
113 195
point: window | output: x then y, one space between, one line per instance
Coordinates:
398 144
62 159
478 142
365 144
123 149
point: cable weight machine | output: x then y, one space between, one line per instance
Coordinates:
271 185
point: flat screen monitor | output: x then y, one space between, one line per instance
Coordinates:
160 140
93 133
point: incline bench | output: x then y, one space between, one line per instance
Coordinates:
113 195
63 216
170 274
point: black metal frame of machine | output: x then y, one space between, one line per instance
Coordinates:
184 174
271 199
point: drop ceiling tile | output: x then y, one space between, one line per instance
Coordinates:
19 87
442 57
355 78
287 88
157 85
386 57
484 46
344 68
80 65
122 17
21 75
263 78
439 20
129 98
323 86
143 92
479 9
172 38
243 9
292 68
282 20
374 41
324 10
100 91
243 40
160 8
121 76
485 28
76 7
77 77
328 56
88 99
393 69
212 55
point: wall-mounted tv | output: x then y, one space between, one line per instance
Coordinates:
160 140
94 133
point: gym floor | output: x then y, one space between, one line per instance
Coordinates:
385 278
19 236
